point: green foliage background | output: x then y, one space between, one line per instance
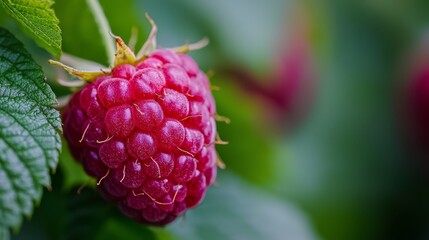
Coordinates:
343 171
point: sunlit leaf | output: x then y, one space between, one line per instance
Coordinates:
38 20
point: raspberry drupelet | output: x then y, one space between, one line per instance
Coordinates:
146 131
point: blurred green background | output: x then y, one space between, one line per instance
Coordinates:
315 93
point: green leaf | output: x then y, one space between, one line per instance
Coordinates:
236 210
81 33
38 20
102 220
250 144
122 227
4 233
74 174
85 207
29 131
49 218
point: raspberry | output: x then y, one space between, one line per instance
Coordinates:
146 132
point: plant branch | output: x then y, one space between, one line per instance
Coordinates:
104 28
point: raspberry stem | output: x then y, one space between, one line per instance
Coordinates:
102 22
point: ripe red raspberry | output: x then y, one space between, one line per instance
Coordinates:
146 132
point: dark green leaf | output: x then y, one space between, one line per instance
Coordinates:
86 207
74 175
124 228
48 220
102 220
38 20
29 126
